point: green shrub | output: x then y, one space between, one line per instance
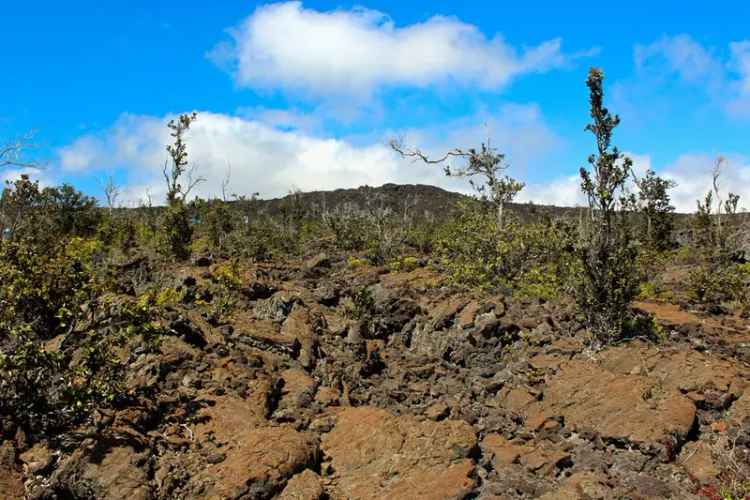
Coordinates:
176 232
532 259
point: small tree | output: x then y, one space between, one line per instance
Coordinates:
653 197
176 226
177 165
608 257
486 163
22 207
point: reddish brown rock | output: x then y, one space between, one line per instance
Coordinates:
687 370
301 325
374 454
297 385
543 458
739 413
119 475
697 460
516 399
265 457
11 482
465 318
306 485
634 409
582 486
443 314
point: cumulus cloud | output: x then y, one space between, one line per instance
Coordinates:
263 157
353 52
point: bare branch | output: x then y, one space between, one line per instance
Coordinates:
11 154
111 191
191 182
398 146
225 182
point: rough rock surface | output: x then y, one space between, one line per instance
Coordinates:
373 454
427 392
644 412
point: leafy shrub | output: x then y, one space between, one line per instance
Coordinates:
403 264
46 292
217 223
42 289
532 259
228 275
176 232
714 284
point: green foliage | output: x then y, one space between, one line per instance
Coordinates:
228 274
59 334
718 283
43 287
718 279
217 222
608 256
176 232
403 264
653 197
72 212
527 259
645 326
355 262
349 228
28 212
361 305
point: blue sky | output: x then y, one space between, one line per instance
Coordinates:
307 94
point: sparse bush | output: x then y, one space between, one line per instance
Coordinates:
218 224
718 279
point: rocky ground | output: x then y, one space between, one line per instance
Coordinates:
429 394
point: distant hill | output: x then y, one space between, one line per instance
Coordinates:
420 199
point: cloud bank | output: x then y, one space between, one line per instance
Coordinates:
261 157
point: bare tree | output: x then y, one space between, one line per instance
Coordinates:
11 154
715 174
111 191
486 163
174 172
225 182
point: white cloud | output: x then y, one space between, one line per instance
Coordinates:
351 53
564 191
680 54
43 176
725 79
741 62
270 160
692 173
